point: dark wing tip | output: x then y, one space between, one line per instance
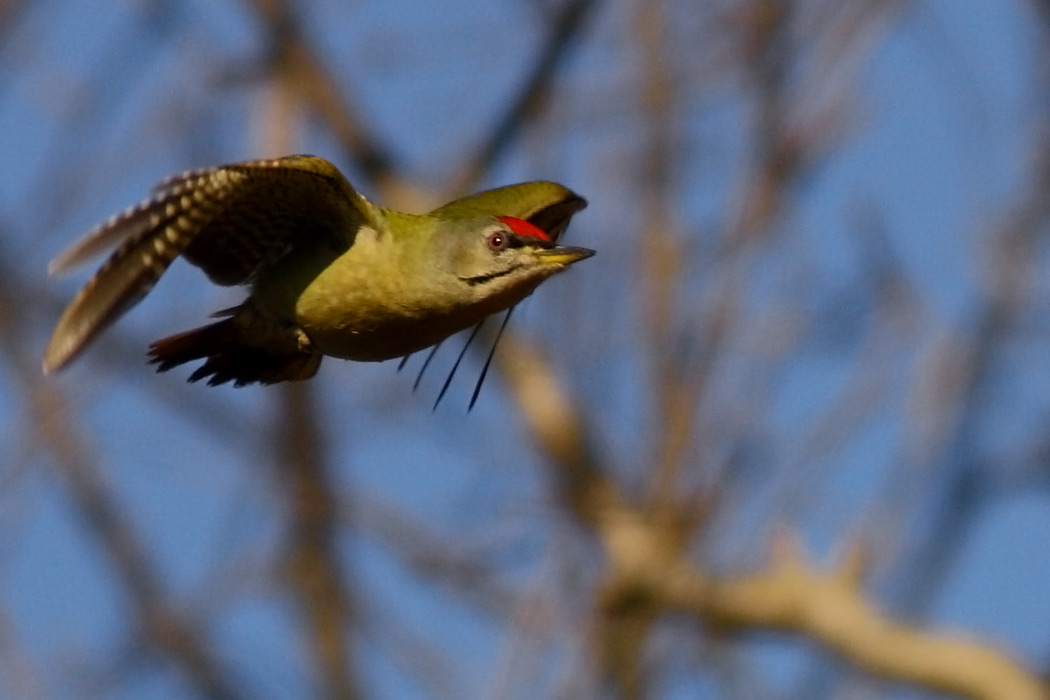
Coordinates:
53 361
554 218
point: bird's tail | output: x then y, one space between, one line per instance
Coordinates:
227 358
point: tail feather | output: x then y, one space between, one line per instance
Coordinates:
228 359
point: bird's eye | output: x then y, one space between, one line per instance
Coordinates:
498 240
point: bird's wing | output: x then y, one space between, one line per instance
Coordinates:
547 205
230 221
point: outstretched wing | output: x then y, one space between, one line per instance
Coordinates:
547 205
230 221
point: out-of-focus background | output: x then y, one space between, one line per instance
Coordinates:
785 436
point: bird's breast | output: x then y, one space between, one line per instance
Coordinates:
368 307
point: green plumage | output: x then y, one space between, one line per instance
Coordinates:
329 273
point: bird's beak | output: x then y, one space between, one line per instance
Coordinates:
563 255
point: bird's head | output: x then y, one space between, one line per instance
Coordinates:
498 246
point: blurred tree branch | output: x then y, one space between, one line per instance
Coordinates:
789 596
305 73
649 574
166 630
565 28
316 576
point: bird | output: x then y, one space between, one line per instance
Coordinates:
328 272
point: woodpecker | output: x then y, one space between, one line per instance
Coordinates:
327 271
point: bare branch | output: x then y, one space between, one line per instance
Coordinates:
167 631
791 597
565 28
320 89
